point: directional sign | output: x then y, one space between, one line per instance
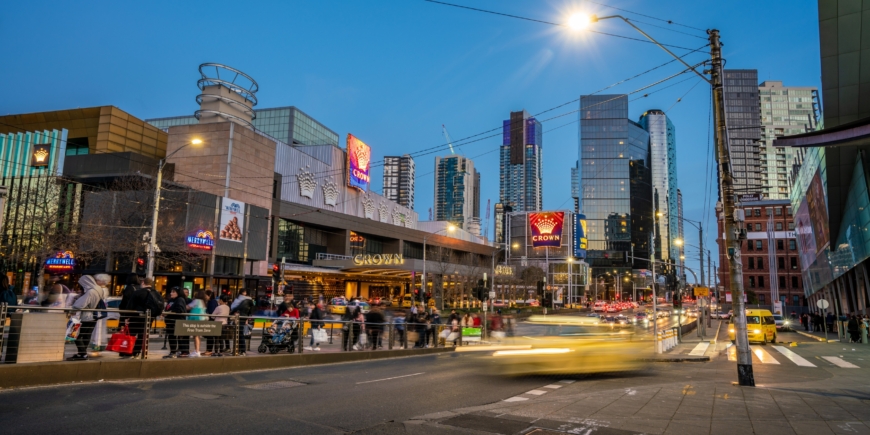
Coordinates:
702 291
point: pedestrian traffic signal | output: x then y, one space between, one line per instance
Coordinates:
140 266
276 272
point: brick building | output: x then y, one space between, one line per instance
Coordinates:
769 254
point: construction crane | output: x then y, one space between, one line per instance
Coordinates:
486 225
447 136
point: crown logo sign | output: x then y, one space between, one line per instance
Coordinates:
40 155
307 183
398 217
545 225
363 154
330 193
384 213
368 207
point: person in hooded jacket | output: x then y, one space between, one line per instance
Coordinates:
243 306
93 294
176 307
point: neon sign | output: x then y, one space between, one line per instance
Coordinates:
202 240
546 228
378 259
62 262
359 156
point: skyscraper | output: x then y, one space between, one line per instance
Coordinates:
663 162
614 182
785 111
520 165
399 179
682 249
742 114
456 195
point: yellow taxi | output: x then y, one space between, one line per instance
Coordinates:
407 301
760 327
337 306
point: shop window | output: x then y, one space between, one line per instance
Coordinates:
751 282
793 262
227 265
794 282
792 245
760 282
751 263
782 282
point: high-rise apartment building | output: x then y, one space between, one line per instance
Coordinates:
399 179
785 111
457 197
614 182
742 113
663 162
520 165
681 259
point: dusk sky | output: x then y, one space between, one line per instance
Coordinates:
392 72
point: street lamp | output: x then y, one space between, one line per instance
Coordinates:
152 243
450 228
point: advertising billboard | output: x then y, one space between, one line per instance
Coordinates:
580 239
232 220
203 239
62 262
359 157
40 156
546 228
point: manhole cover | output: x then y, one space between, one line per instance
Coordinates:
277 385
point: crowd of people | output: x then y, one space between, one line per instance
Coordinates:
855 325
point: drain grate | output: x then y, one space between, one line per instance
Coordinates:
276 385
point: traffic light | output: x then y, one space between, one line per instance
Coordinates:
140 266
276 273
540 287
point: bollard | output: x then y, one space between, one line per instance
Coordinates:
659 342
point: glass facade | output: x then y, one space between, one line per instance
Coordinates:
399 179
521 163
663 160
299 244
614 179
455 189
287 124
742 116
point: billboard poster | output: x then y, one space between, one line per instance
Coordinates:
359 157
546 228
232 219
818 210
580 240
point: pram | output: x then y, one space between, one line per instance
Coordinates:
281 334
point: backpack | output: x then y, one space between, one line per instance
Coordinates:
155 303
101 305
8 297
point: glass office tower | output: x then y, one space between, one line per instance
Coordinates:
456 196
399 179
663 158
742 113
520 166
615 183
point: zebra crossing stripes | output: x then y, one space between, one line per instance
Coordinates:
793 357
839 362
763 356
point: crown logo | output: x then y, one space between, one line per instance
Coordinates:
409 222
545 225
40 155
363 155
398 217
384 213
330 193
307 183
368 207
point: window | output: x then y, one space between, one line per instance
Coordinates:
791 226
792 245
761 282
788 210
795 283
793 262
767 211
751 263
758 245
749 245
780 245
779 225
796 300
780 262
761 299
777 211
782 282
758 212
760 262
752 282
757 227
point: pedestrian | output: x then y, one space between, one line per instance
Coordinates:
432 331
30 299
57 295
805 321
197 306
215 346
179 346
211 302
399 326
357 329
131 286
7 294
243 305
316 320
420 327
375 326
285 305
94 297
854 331
138 301
829 322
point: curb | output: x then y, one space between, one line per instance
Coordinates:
58 373
810 335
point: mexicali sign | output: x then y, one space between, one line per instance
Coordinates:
378 259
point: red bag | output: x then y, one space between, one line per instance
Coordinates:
122 342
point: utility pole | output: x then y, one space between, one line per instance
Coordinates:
745 375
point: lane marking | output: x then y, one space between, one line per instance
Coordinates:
762 355
700 349
515 399
793 357
567 382
387 379
536 392
553 386
840 362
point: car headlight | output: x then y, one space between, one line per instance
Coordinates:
786 322
731 330
756 331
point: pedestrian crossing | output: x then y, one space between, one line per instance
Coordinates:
782 355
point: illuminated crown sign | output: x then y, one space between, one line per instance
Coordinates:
330 193
363 156
546 225
546 228
384 213
368 207
40 155
307 183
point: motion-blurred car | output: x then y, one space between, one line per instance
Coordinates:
363 306
533 303
782 323
611 309
337 306
641 317
622 320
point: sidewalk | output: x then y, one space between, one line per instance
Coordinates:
692 346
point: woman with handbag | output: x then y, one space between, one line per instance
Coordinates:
197 306
358 329
317 332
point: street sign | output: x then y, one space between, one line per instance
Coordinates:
702 291
822 304
492 295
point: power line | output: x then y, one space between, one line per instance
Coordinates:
647 16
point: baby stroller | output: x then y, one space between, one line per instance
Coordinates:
282 334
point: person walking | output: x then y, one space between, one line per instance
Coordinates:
131 287
197 306
316 320
375 326
357 329
243 305
829 322
399 326
215 346
176 308
854 331
805 321
94 297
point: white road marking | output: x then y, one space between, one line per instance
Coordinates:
536 392
762 355
515 399
387 379
567 382
700 349
793 357
554 386
840 362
